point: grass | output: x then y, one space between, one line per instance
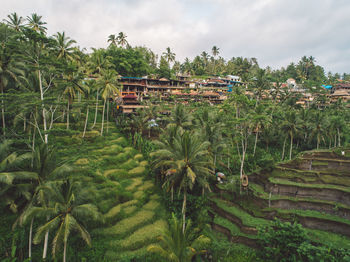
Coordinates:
246 218
234 230
305 185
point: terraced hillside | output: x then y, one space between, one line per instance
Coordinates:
313 189
116 175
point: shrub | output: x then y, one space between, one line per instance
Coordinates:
130 151
121 157
137 171
129 210
110 150
114 211
91 135
138 194
115 174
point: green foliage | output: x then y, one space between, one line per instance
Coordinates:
289 242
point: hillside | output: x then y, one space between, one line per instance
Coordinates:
313 189
117 176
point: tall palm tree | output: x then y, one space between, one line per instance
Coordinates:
44 164
35 23
109 86
15 21
318 126
169 56
215 51
291 125
187 163
68 212
122 39
64 46
180 117
113 39
179 245
11 67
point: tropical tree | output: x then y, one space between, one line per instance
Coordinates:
215 51
11 67
68 210
109 86
121 38
64 46
15 22
113 39
178 245
35 23
169 56
290 124
186 163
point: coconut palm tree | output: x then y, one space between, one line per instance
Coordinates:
64 46
109 86
35 23
44 164
180 117
215 51
68 212
186 163
15 22
290 125
122 39
169 56
179 245
113 39
11 68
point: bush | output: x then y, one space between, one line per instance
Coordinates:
82 162
152 205
63 132
136 182
121 141
115 174
143 163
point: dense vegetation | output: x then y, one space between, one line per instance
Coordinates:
66 167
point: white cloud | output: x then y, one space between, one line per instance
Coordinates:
275 32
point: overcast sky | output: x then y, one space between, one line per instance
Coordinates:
276 32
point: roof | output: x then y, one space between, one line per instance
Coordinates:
163 79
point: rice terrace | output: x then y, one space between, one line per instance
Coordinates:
111 151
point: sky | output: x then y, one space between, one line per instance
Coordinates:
276 32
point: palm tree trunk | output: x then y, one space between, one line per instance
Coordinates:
45 244
64 251
3 112
30 238
339 144
103 116
256 140
107 114
86 120
68 114
318 141
43 107
291 146
95 110
184 211
284 146
24 123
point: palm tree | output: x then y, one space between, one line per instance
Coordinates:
64 46
291 125
11 68
186 163
44 164
169 56
177 245
215 51
122 39
71 80
68 213
318 127
113 39
15 22
109 86
35 23
15 179
180 117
